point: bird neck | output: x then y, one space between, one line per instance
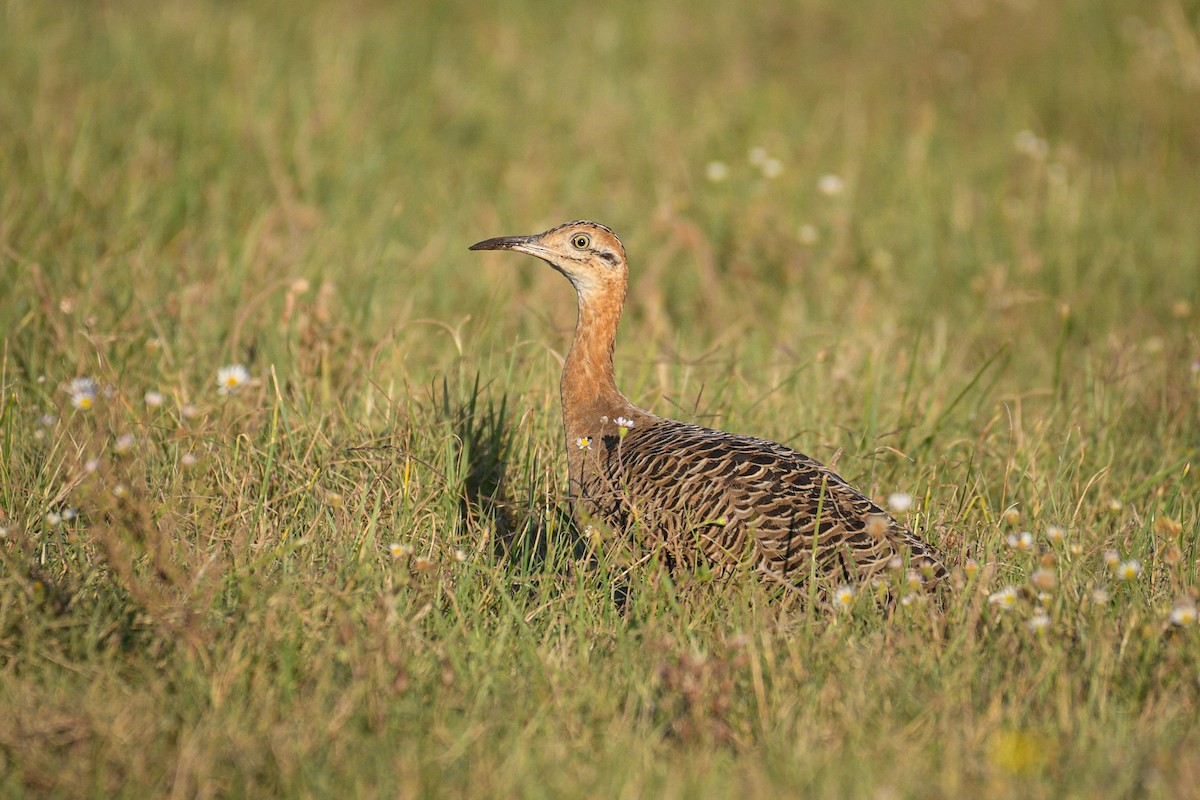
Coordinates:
589 389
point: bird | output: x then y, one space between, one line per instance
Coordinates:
697 495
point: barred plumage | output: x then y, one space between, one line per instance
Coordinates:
692 491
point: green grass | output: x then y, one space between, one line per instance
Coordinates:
292 186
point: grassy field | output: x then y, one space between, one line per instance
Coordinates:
952 245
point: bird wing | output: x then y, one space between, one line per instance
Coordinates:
725 492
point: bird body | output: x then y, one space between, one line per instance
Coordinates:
697 493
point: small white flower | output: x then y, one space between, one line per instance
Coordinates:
1028 143
757 156
808 234
460 556
83 385
91 465
120 490
1128 570
1184 613
1039 622
771 168
397 550
187 460
1006 598
53 518
47 420
69 514
1055 534
623 422
1111 559
716 171
3 532
1011 515
83 393
899 502
1100 596
124 443
231 378
830 185
189 411
153 399
583 442
1022 541
843 596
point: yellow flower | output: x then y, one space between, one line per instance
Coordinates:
843 597
1018 752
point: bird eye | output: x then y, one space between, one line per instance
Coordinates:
581 241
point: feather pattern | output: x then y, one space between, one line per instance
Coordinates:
697 493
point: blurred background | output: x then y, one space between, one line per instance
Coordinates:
776 171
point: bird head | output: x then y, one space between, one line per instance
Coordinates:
587 253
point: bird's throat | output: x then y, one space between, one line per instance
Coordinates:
588 387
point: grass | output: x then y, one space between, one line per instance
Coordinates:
357 575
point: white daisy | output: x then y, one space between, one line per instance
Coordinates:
1128 570
1006 598
1039 622
231 378
1184 613
83 393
